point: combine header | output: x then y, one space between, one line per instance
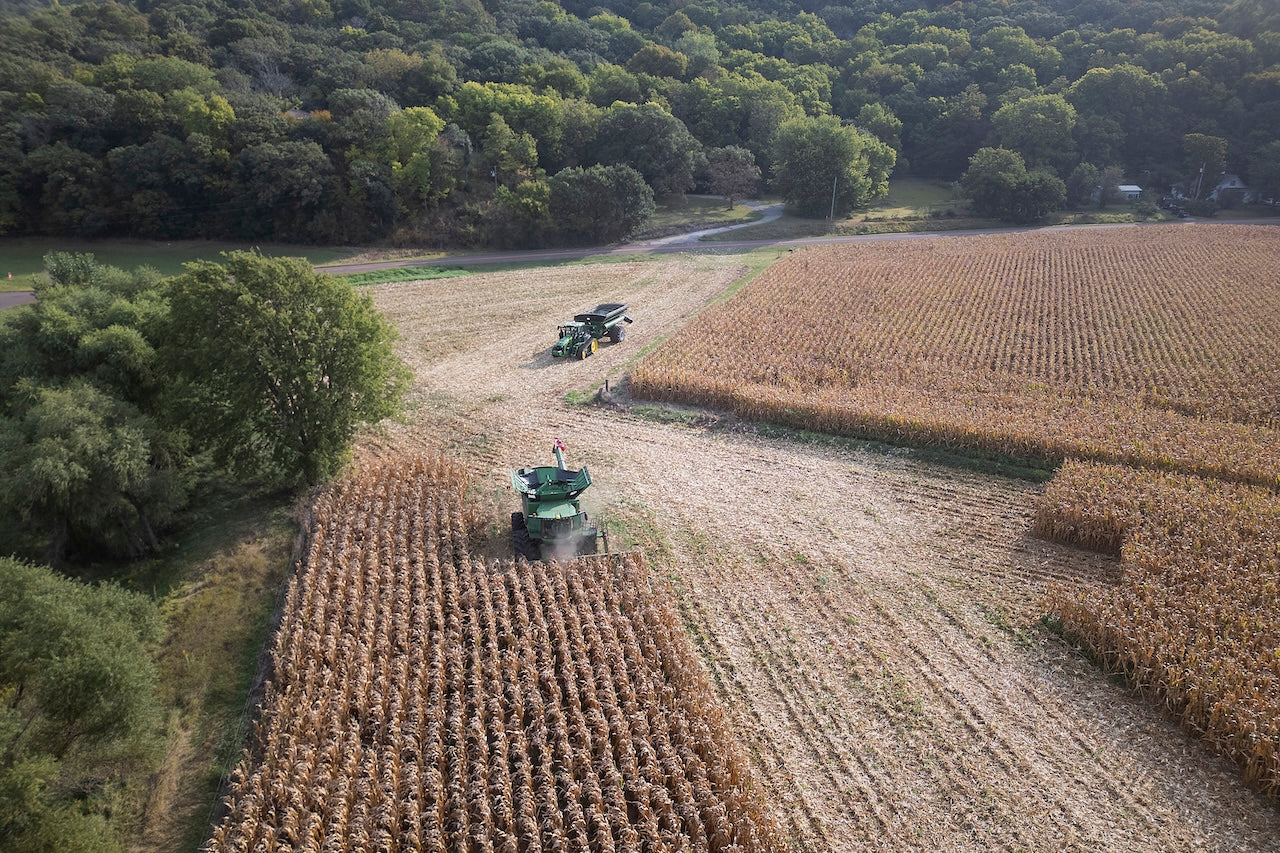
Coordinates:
582 336
553 525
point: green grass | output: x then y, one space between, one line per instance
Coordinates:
913 204
917 196
24 257
786 227
218 586
692 213
415 273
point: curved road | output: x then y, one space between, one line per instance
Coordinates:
691 243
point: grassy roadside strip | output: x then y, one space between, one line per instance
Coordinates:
394 275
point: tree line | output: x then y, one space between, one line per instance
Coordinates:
525 123
120 392
122 396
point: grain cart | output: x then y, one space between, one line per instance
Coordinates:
553 525
581 337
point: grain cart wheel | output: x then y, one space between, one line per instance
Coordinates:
595 345
618 333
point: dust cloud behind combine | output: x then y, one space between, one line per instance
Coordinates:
869 619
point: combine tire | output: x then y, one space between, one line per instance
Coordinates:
525 546
618 333
518 522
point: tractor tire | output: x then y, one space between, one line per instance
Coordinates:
595 345
525 546
584 352
618 333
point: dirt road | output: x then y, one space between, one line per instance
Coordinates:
683 243
869 619
9 299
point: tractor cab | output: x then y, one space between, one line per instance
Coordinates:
574 339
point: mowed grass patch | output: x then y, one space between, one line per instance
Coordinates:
918 197
391 275
913 204
24 257
694 212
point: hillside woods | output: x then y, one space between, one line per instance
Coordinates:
513 122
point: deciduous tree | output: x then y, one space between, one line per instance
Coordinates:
599 204
653 142
78 706
821 165
1039 128
732 172
279 364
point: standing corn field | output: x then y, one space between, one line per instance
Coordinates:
1196 615
1149 347
424 700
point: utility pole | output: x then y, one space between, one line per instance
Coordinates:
832 214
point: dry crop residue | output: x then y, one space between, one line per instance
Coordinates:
870 620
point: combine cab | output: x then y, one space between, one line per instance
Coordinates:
553 525
580 338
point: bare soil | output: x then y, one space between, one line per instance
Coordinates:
870 620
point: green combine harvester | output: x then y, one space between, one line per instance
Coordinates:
553 525
582 336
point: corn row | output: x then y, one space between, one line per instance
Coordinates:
426 700
1195 618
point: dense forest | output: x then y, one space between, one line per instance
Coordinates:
522 122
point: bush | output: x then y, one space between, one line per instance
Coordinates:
78 709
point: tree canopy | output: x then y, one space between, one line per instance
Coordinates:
821 166
87 457
278 365
267 121
999 184
77 684
120 391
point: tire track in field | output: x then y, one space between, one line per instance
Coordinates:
816 753
808 687
939 775
796 696
1000 703
991 722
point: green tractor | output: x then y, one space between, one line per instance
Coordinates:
553 525
581 337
